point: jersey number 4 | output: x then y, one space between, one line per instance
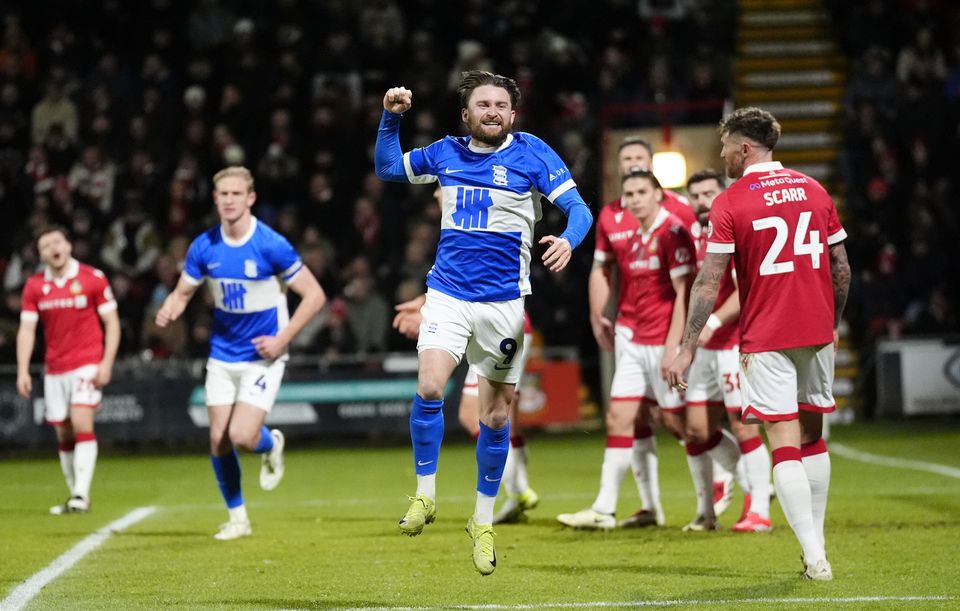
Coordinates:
801 245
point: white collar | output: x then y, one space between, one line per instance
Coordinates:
246 237
660 220
764 166
481 148
73 268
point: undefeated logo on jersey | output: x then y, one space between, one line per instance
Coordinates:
233 293
472 208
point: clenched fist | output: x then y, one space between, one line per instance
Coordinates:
398 100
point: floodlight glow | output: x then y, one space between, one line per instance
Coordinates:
670 169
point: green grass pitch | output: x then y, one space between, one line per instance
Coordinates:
327 537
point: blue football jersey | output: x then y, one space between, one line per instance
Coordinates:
244 277
491 201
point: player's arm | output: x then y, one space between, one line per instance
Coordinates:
111 343
388 156
26 338
579 221
840 276
176 302
681 286
703 296
312 298
598 292
728 312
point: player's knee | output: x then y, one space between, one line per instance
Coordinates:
696 434
431 390
618 420
219 442
244 439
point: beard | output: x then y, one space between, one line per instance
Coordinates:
478 133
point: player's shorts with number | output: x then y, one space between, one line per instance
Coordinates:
776 384
471 384
637 375
490 333
71 388
253 382
714 379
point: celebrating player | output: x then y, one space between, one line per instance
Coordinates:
782 230
656 268
515 481
247 265
70 299
491 181
714 384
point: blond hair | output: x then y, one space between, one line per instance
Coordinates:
235 170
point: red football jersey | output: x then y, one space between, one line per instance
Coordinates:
646 287
615 229
69 309
728 335
680 207
778 225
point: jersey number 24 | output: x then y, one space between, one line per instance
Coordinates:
801 246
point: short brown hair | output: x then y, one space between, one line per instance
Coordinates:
706 174
637 173
753 123
631 140
235 170
47 229
472 79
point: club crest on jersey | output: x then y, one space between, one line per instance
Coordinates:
500 175
709 229
653 245
617 217
46 289
250 268
75 287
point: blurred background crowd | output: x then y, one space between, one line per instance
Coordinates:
114 116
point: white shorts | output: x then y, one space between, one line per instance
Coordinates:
71 388
777 384
714 379
471 384
637 374
253 382
490 333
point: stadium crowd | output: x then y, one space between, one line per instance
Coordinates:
114 117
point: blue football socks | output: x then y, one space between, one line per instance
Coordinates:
426 432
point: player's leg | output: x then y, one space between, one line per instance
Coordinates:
469 411
626 391
444 330
426 434
84 400
222 385
815 371
259 385
520 496
755 468
495 350
56 399
645 466
769 384
226 469
703 440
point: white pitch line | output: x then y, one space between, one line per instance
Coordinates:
888 461
25 592
675 603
